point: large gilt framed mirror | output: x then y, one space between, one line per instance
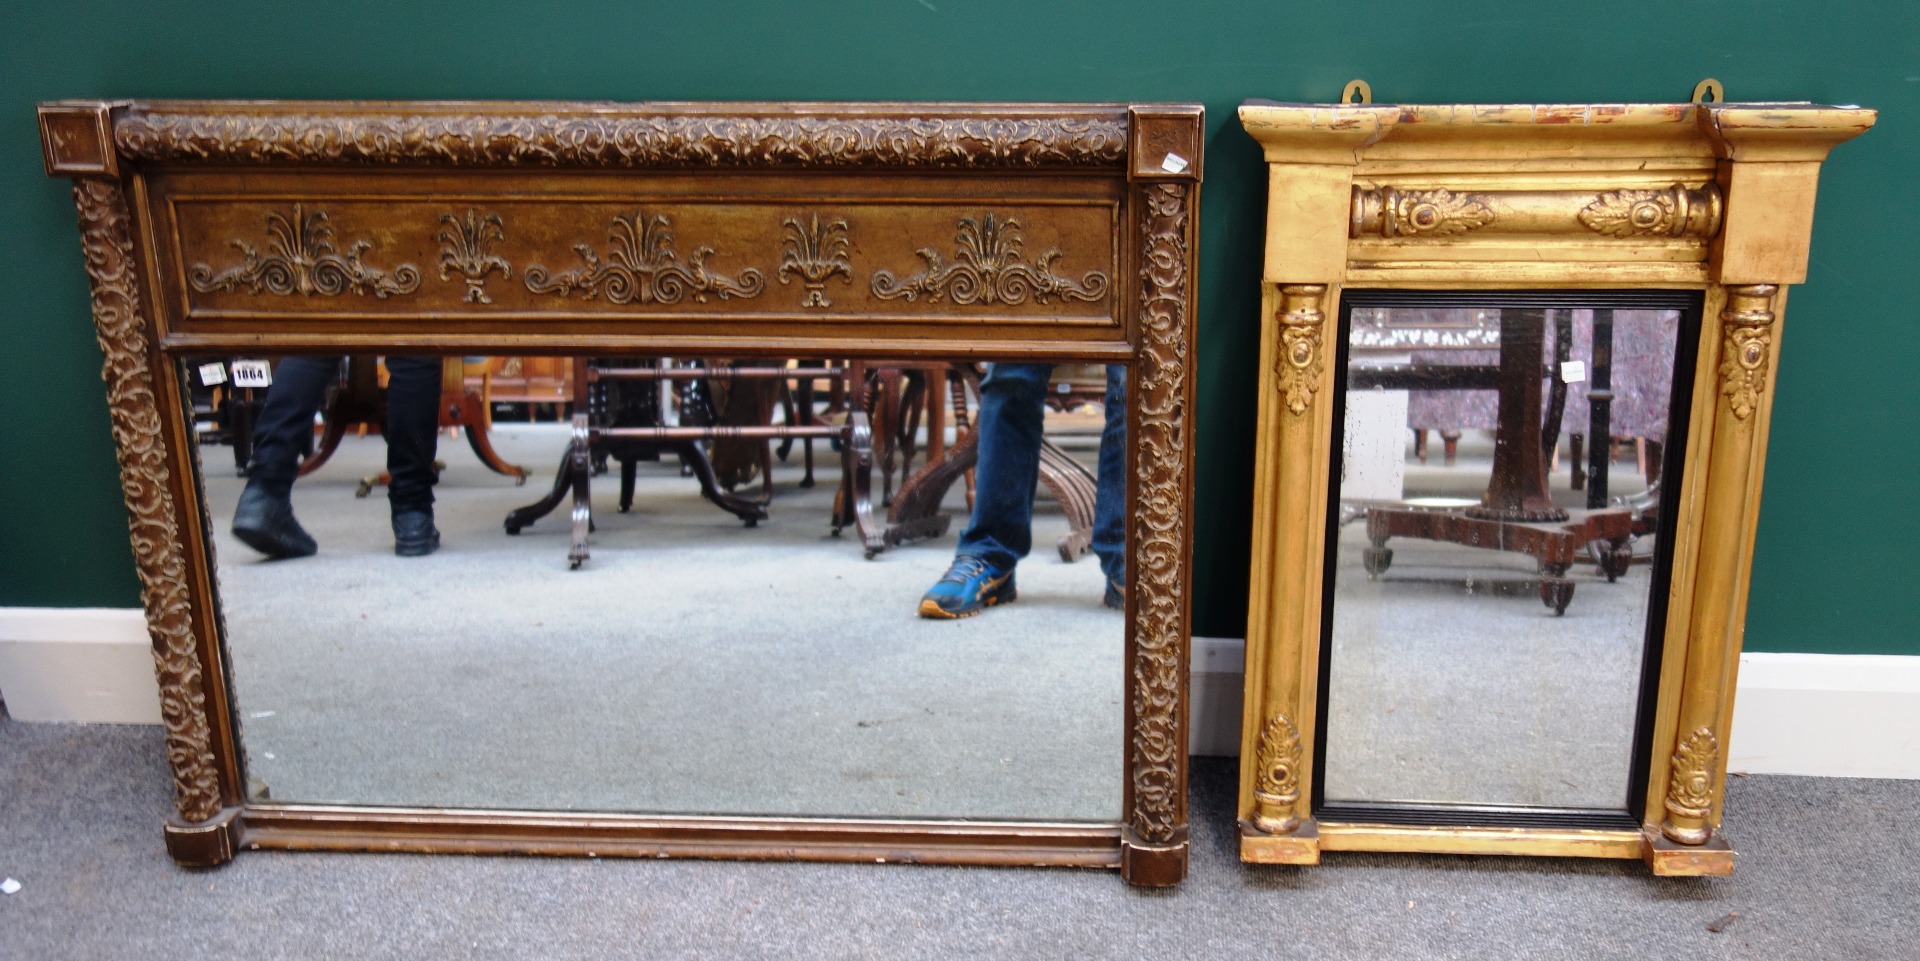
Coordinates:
1516 378
747 347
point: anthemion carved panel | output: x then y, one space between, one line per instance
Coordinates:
643 268
990 268
302 260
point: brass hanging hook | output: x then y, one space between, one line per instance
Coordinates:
1358 91
1709 91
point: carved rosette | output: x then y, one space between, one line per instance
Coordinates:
159 558
990 268
1690 787
1674 212
1746 344
1392 212
1277 789
1161 450
643 268
685 140
1300 362
815 253
466 247
302 260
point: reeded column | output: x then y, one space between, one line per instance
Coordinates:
1299 370
1746 344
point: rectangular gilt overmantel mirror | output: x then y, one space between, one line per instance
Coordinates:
742 287
1516 377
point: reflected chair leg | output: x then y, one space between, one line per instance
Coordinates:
1556 591
562 482
629 468
1576 451
695 460
582 496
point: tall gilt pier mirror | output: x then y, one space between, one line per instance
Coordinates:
1517 368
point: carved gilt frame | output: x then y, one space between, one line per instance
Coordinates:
1715 198
149 306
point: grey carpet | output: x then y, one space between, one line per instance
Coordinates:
1826 872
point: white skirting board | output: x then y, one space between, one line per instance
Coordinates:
1827 715
91 665
1835 715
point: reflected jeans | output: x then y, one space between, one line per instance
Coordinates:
284 428
1012 410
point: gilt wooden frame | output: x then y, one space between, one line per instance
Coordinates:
1708 197
166 284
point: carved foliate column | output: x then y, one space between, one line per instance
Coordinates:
1745 351
145 477
1162 433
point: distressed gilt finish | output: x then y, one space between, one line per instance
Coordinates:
361 251
160 556
1710 197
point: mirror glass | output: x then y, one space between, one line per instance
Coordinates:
732 652
1494 557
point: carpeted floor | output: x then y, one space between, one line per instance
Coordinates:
1826 872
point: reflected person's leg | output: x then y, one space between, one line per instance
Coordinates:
1000 532
263 519
1110 500
413 421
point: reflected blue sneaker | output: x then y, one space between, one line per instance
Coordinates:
970 586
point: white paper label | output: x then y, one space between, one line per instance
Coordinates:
252 373
1573 371
1174 163
213 375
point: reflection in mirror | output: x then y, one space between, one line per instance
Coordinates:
725 649
1494 563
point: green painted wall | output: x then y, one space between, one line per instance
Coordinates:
1835 568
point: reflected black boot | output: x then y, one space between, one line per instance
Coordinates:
414 534
265 523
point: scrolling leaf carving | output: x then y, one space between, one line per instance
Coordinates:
643 268
145 478
302 260
532 139
990 268
1161 453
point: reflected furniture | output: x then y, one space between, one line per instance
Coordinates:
1707 200
913 232
359 403
914 513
